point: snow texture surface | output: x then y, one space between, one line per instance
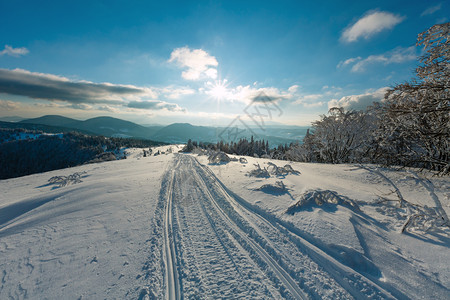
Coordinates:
176 226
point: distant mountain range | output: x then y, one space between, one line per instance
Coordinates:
106 126
174 133
11 119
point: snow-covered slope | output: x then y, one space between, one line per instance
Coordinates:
368 238
89 239
173 225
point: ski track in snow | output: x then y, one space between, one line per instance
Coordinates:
172 282
216 246
168 228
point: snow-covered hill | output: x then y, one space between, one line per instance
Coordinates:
174 225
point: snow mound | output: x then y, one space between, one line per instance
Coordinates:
219 158
322 199
275 189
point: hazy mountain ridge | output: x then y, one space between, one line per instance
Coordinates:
11 119
42 127
173 133
107 126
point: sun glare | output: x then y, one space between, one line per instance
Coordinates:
219 90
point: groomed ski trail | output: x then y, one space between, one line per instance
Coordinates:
276 232
217 247
172 282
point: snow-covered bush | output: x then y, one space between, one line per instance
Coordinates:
66 180
258 172
218 158
281 171
423 219
320 198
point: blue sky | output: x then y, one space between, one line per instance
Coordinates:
204 62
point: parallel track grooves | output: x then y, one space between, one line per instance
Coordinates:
282 274
172 281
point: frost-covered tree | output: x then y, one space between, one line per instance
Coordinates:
189 146
308 151
339 137
415 117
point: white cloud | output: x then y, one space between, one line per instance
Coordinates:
293 89
199 63
314 104
306 99
372 23
372 59
108 108
6 105
48 105
155 105
348 61
431 10
249 93
211 73
319 99
81 106
175 92
398 55
16 52
358 102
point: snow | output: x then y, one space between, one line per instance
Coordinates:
89 239
415 264
174 225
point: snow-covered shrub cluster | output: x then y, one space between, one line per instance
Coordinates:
281 171
278 188
423 218
258 172
272 169
319 198
66 180
218 158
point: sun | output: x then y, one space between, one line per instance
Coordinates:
219 90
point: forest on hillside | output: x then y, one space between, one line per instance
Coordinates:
40 152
